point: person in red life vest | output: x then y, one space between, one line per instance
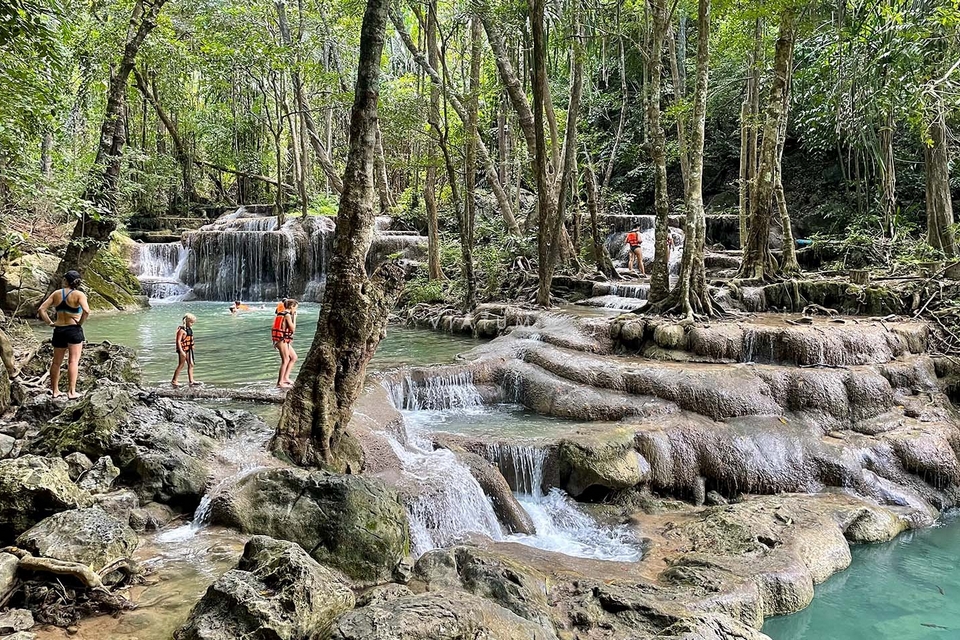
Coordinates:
185 350
636 253
284 326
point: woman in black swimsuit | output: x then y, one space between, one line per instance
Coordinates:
72 311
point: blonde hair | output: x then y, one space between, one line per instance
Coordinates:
189 318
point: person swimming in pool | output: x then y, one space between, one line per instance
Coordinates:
284 326
238 306
72 311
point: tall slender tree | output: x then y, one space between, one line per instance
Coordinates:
312 428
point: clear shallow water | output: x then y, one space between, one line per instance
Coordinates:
236 350
494 421
907 589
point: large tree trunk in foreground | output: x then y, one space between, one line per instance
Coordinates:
940 233
545 201
93 231
556 242
758 262
660 277
355 308
470 168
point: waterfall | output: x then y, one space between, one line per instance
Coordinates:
247 255
616 245
444 502
445 391
158 267
521 465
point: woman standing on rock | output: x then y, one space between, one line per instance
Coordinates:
72 311
284 326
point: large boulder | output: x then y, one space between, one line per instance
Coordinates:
277 591
88 536
32 488
355 524
606 461
447 615
8 575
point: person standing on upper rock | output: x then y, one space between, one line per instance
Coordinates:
636 253
72 311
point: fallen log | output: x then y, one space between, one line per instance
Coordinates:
216 393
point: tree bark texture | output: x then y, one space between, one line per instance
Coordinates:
470 168
660 277
434 271
940 233
312 428
545 202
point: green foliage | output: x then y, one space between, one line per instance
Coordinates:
324 205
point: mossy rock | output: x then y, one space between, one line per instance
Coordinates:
608 461
33 488
110 284
355 524
89 425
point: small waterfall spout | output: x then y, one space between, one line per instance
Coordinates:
158 267
521 465
446 391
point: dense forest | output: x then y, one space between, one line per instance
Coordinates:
507 132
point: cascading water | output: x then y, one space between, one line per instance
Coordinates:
253 257
445 502
616 246
448 391
158 268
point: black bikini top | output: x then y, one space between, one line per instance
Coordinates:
66 308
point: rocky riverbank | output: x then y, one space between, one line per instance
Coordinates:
746 456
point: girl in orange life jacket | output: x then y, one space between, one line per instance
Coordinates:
185 349
636 253
284 326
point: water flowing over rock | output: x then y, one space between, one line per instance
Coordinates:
277 591
355 524
250 256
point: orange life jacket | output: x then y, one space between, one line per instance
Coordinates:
633 238
185 338
281 332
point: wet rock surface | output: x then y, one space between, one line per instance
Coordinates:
87 536
354 524
276 591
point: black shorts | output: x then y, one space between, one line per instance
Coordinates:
634 247
65 336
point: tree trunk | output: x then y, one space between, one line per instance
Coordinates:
691 295
888 172
600 254
470 168
940 233
490 169
679 90
93 231
434 271
789 265
46 155
660 278
312 427
383 184
545 202
758 262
